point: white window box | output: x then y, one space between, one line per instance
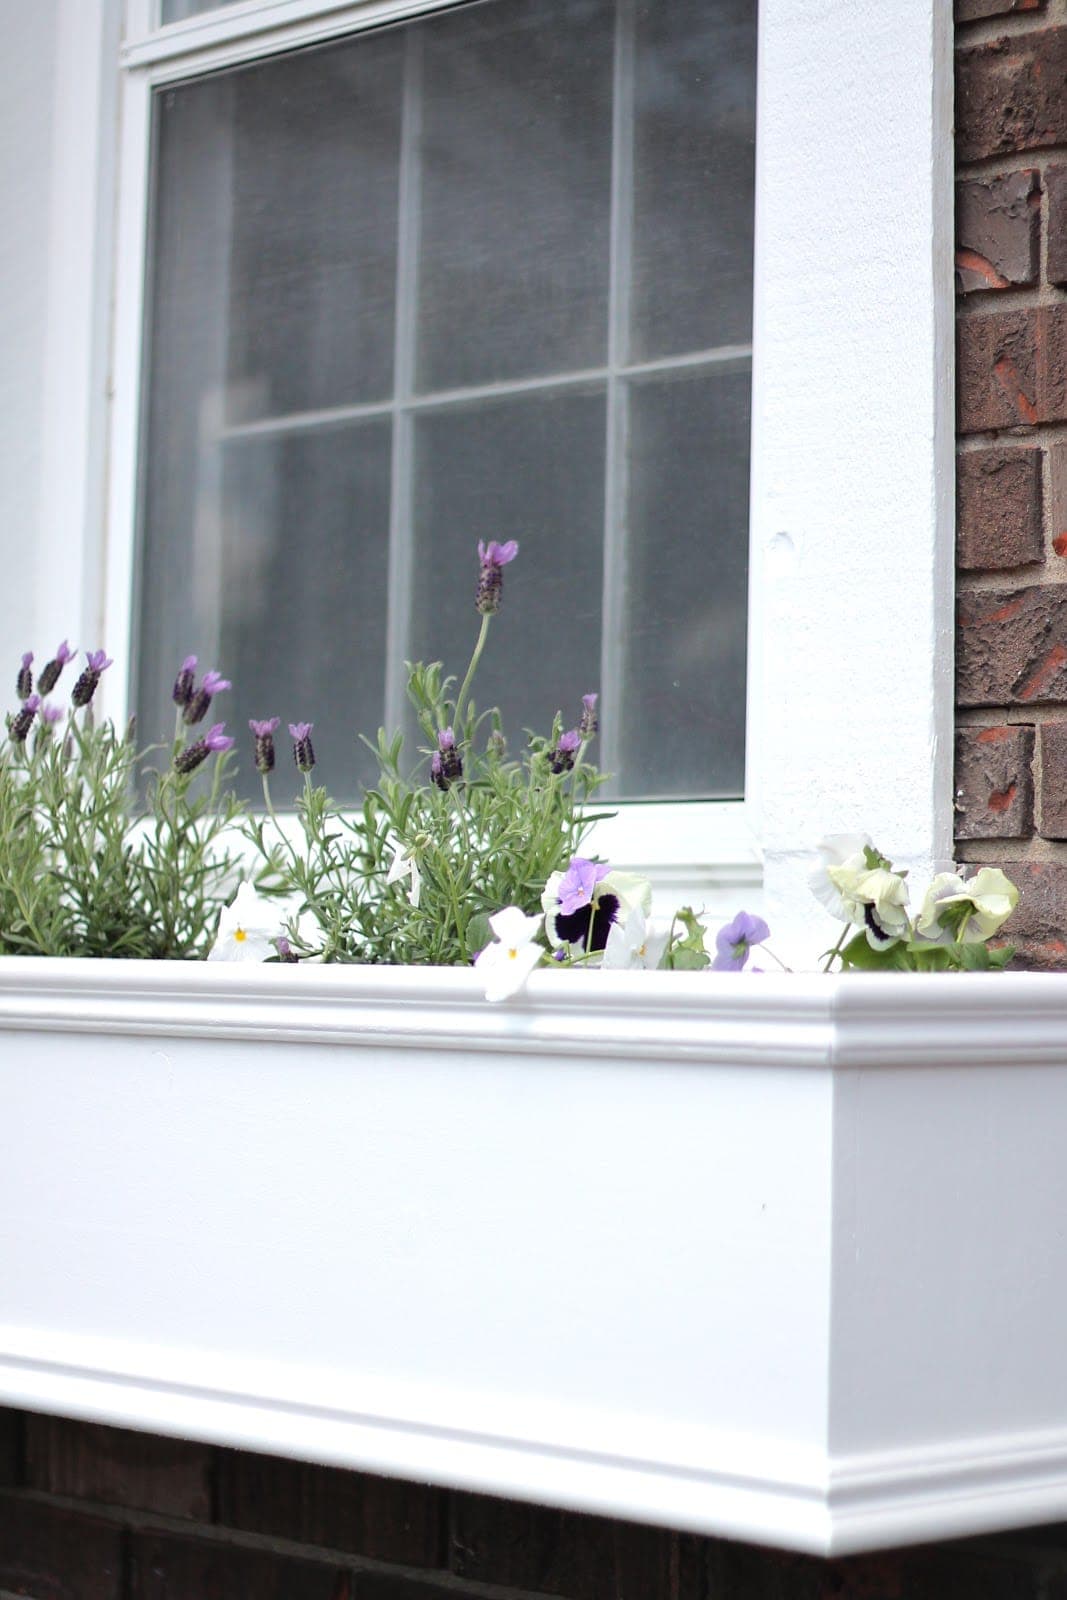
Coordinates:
777 1258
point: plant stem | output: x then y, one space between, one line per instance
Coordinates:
483 634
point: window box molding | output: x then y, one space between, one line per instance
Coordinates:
774 1258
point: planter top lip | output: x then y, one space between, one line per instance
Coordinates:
836 1020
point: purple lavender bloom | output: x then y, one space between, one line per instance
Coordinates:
24 681
83 691
50 715
734 942
303 750
578 882
561 759
590 722
185 682
285 949
264 737
211 684
21 723
213 741
50 671
493 557
447 763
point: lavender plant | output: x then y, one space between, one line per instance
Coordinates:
88 869
414 875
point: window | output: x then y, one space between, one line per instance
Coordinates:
485 273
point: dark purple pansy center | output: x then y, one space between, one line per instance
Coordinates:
573 926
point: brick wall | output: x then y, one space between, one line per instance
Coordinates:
1011 229
93 1513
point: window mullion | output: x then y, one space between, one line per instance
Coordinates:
612 637
401 555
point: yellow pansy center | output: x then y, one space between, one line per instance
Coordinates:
240 935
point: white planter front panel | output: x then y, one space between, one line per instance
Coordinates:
779 1258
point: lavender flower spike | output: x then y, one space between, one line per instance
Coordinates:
213 741
589 722
96 663
211 684
49 676
24 681
561 759
447 763
185 682
303 750
50 715
21 723
263 732
493 557
734 942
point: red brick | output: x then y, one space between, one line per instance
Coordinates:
1012 368
381 1518
1057 499
1012 646
1052 791
964 1570
976 10
172 1566
1038 926
998 231
994 782
1056 191
560 1553
56 1553
1011 94
998 508
118 1467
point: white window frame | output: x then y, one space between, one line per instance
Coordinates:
851 570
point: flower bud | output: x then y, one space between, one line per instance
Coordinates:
561 759
24 681
49 675
20 724
493 557
264 737
303 750
83 691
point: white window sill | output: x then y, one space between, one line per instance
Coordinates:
776 1258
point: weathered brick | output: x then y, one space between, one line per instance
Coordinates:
1012 368
1052 790
381 1518
170 1566
1038 926
1012 646
118 1467
1011 94
57 1553
998 231
976 10
994 782
1056 193
956 1571
11 1447
560 1553
998 508
1057 498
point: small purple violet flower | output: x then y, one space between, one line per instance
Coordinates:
263 733
85 688
24 681
578 882
493 557
21 723
590 722
303 750
447 763
213 742
734 942
561 759
49 675
185 682
211 684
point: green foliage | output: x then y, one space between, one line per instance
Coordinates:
84 871
686 951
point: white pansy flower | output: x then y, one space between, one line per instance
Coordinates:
506 965
986 901
404 865
583 904
838 851
637 942
248 928
874 900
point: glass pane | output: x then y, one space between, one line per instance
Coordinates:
683 730
482 475
694 168
286 593
178 10
516 191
